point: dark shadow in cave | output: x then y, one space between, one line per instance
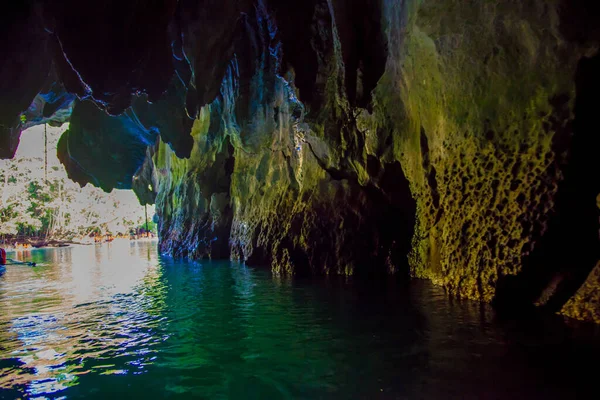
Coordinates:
379 219
305 29
569 250
395 212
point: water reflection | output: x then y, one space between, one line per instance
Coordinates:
118 321
82 310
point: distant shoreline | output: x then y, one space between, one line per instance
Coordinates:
57 244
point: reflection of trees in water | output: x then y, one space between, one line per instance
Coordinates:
79 313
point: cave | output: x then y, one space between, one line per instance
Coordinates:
371 140
331 137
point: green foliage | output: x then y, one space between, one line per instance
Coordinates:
152 227
8 213
37 207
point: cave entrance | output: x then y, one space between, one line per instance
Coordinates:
40 206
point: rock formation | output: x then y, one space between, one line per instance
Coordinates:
440 139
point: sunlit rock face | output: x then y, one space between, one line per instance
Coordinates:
446 140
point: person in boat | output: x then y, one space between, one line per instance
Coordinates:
5 261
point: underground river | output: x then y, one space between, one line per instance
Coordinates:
119 320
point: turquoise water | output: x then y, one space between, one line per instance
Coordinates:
118 321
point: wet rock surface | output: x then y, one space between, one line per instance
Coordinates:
446 140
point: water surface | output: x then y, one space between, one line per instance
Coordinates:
118 321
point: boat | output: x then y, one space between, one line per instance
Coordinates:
17 262
8 261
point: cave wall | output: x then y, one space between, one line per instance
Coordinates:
298 196
493 101
440 139
488 92
470 107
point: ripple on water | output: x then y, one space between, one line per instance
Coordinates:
117 321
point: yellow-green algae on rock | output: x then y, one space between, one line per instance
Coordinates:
486 86
585 305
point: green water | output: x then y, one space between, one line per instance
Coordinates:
118 321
